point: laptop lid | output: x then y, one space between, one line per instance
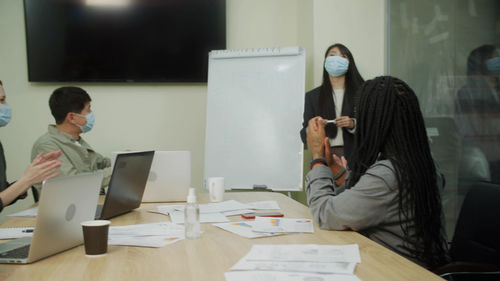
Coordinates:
127 183
64 203
169 178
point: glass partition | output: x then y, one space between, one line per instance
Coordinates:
448 51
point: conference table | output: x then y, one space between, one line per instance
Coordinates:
206 258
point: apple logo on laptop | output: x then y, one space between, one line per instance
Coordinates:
70 212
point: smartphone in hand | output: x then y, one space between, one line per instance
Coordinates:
253 215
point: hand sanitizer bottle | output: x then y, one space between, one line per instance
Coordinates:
192 216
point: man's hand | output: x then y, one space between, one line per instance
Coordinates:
316 136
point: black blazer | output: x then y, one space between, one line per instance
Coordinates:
312 109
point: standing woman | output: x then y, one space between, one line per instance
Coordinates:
335 99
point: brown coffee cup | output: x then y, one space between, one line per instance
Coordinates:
95 237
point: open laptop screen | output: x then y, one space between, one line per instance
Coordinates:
127 183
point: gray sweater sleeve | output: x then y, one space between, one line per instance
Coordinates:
363 206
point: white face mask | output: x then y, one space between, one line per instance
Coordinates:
5 114
493 65
336 65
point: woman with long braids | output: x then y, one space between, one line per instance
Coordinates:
335 99
392 192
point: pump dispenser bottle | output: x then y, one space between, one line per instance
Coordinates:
192 216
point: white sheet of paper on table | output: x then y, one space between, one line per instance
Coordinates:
161 228
178 217
305 253
285 276
285 225
296 266
264 205
29 213
244 228
143 241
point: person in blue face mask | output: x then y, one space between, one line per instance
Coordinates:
477 108
43 166
71 109
335 99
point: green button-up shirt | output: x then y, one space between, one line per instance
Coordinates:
77 155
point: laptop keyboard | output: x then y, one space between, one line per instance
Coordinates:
18 253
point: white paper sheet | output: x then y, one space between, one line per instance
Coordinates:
285 276
237 212
142 241
286 225
305 253
178 217
29 213
229 205
15 232
244 228
296 266
264 205
167 229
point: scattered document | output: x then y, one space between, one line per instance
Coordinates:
237 212
297 262
305 253
244 228
296 266
285 276
264 205
143 241
29 213
146 235
270 224
178 217
162 229
15 232
225 206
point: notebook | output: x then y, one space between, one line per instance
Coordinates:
64 203
169 178
127 183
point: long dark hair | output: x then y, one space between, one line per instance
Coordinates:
390 125
353 81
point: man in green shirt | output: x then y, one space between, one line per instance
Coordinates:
70 107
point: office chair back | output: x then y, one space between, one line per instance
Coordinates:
477 233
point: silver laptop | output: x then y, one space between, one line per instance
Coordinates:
170 177
127 183
64 203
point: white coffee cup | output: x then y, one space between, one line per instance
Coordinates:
216 188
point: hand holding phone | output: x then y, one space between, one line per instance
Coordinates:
253 215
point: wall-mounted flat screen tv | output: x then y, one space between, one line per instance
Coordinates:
122 40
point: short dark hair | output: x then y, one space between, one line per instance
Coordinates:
1 82
67 99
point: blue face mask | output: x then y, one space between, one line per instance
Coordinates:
89 124
5 114
336 66
493 65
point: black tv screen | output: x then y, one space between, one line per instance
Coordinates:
122 40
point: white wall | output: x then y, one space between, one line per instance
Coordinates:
172 116
359 25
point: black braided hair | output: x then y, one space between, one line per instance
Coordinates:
390 123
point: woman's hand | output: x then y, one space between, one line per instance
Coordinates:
315 136
344 122
41 168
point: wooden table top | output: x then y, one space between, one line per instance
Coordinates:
206 258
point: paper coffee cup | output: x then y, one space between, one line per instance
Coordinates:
95 237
